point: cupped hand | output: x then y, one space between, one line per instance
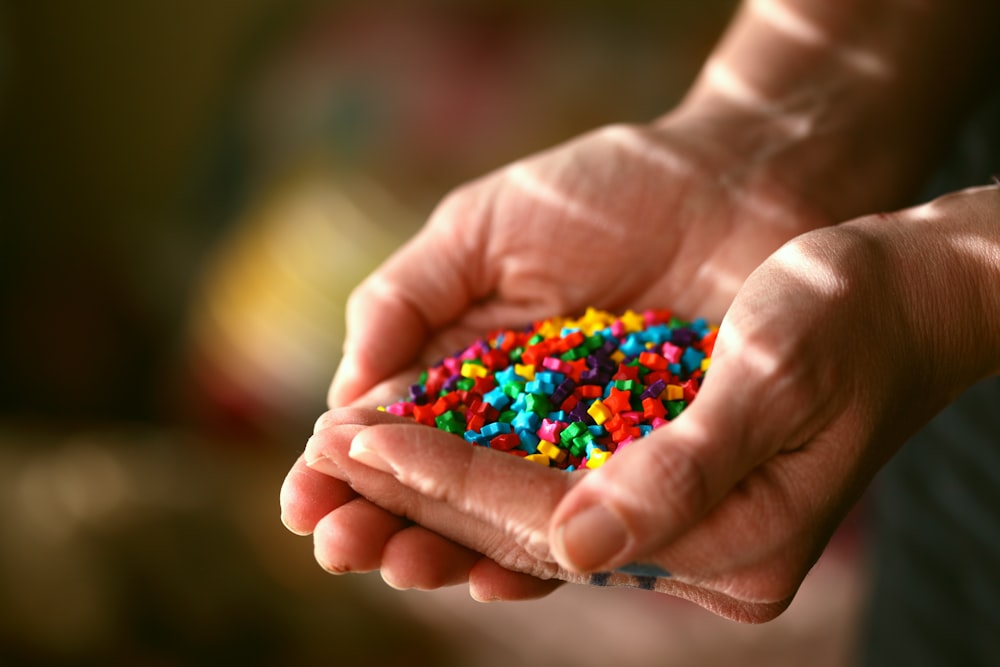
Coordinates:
320 496
665 215
628 216
836 349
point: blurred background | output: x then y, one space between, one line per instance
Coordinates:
188 191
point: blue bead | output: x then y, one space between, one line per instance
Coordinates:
658 334
691 359
476 438
553 377
529 441
526 420
508 375
632 346
495 429
497 398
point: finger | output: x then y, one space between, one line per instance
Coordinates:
483 537
416 557
649 494
391 315
514 550
498 489
307 496
351 538
490 582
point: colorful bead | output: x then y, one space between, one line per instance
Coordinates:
564 392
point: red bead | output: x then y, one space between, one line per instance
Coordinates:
505 441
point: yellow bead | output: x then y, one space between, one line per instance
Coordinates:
675 392
705 363
551 451
599 412
597 458
527 371
633 321
594 320
471 370
538 458
550 328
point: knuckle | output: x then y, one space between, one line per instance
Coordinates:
679 483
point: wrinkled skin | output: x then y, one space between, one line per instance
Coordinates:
638 215
812 388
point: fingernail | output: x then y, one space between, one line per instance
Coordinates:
314 454
362 452
590 539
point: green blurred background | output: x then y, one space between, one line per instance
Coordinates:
188 191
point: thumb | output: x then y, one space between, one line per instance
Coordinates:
392 313
651 492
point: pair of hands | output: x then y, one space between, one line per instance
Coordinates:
813 382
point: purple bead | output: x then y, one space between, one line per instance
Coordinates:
418 394
601 361
579 414
563 391
595 376
654 390
683 337
452 382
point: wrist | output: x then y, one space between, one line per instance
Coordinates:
841 171
943 259
849 104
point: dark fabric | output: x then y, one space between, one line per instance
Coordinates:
936 541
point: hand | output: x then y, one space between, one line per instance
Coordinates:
628 216
665 215
352 534
813 386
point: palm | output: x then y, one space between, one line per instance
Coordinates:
625 217
622 218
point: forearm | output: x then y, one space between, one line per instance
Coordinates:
848 102
944 260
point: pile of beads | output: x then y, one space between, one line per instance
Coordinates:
566 393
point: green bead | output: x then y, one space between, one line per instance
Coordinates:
538 403
450 421
513 389
572 431
628 385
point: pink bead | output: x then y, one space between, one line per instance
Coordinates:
402 409
550 430
671 352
